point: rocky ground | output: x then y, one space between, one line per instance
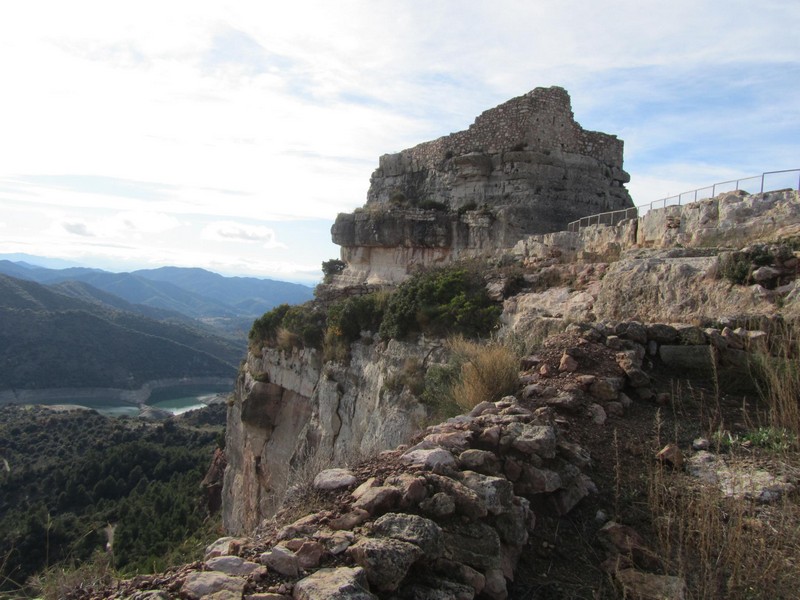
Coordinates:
547 494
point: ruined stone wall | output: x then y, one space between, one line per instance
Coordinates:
522 167
541 119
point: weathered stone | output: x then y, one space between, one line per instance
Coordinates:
201 584
433 459
350 519
649 586
606 388
636 332
566 499
495 587
733 340
302 526
223 546
696 358
537 481
232 565
337 542
385 560
281 560
440 505
378 499
574 453
475 544
490 436
481 461
569 402
334 479
614 409
691 335
343 583
466 501
597 413
536 439
567 364
309 554
661 333
413 529
715 338
496 493
412 488
460 573
512 526
738 482
766 273
454 441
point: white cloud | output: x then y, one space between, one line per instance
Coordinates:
241 232
167 108
78 228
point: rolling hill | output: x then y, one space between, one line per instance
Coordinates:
67 337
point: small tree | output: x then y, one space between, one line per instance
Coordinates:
332 267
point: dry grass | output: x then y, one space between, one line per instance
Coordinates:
778 374
58 583
488 371
287 340
725 547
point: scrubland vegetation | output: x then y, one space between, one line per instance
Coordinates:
69 478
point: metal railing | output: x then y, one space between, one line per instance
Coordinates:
613 217
763 182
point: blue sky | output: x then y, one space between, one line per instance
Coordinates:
229 135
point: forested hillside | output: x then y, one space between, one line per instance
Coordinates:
49 339
67 475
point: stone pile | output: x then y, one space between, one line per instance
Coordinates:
446 518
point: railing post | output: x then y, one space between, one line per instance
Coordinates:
762 183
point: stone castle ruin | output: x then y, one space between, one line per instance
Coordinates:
523 167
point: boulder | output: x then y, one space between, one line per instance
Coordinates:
386 561
694 358
344 583
334 479
201 584
413 529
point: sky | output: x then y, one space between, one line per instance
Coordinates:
228 135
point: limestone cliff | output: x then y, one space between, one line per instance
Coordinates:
292 414
523 167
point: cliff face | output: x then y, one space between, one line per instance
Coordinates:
523 167
292 415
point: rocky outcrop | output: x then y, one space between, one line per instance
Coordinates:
523 167
670 265
292 416
448 517
732 219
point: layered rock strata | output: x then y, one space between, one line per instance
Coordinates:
523 167
292 415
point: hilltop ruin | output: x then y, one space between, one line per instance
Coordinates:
521 168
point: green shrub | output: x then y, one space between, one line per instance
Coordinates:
289 326
265 328
331 268
348 318
735 267
445 301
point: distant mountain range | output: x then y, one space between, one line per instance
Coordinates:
227 303
80 327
